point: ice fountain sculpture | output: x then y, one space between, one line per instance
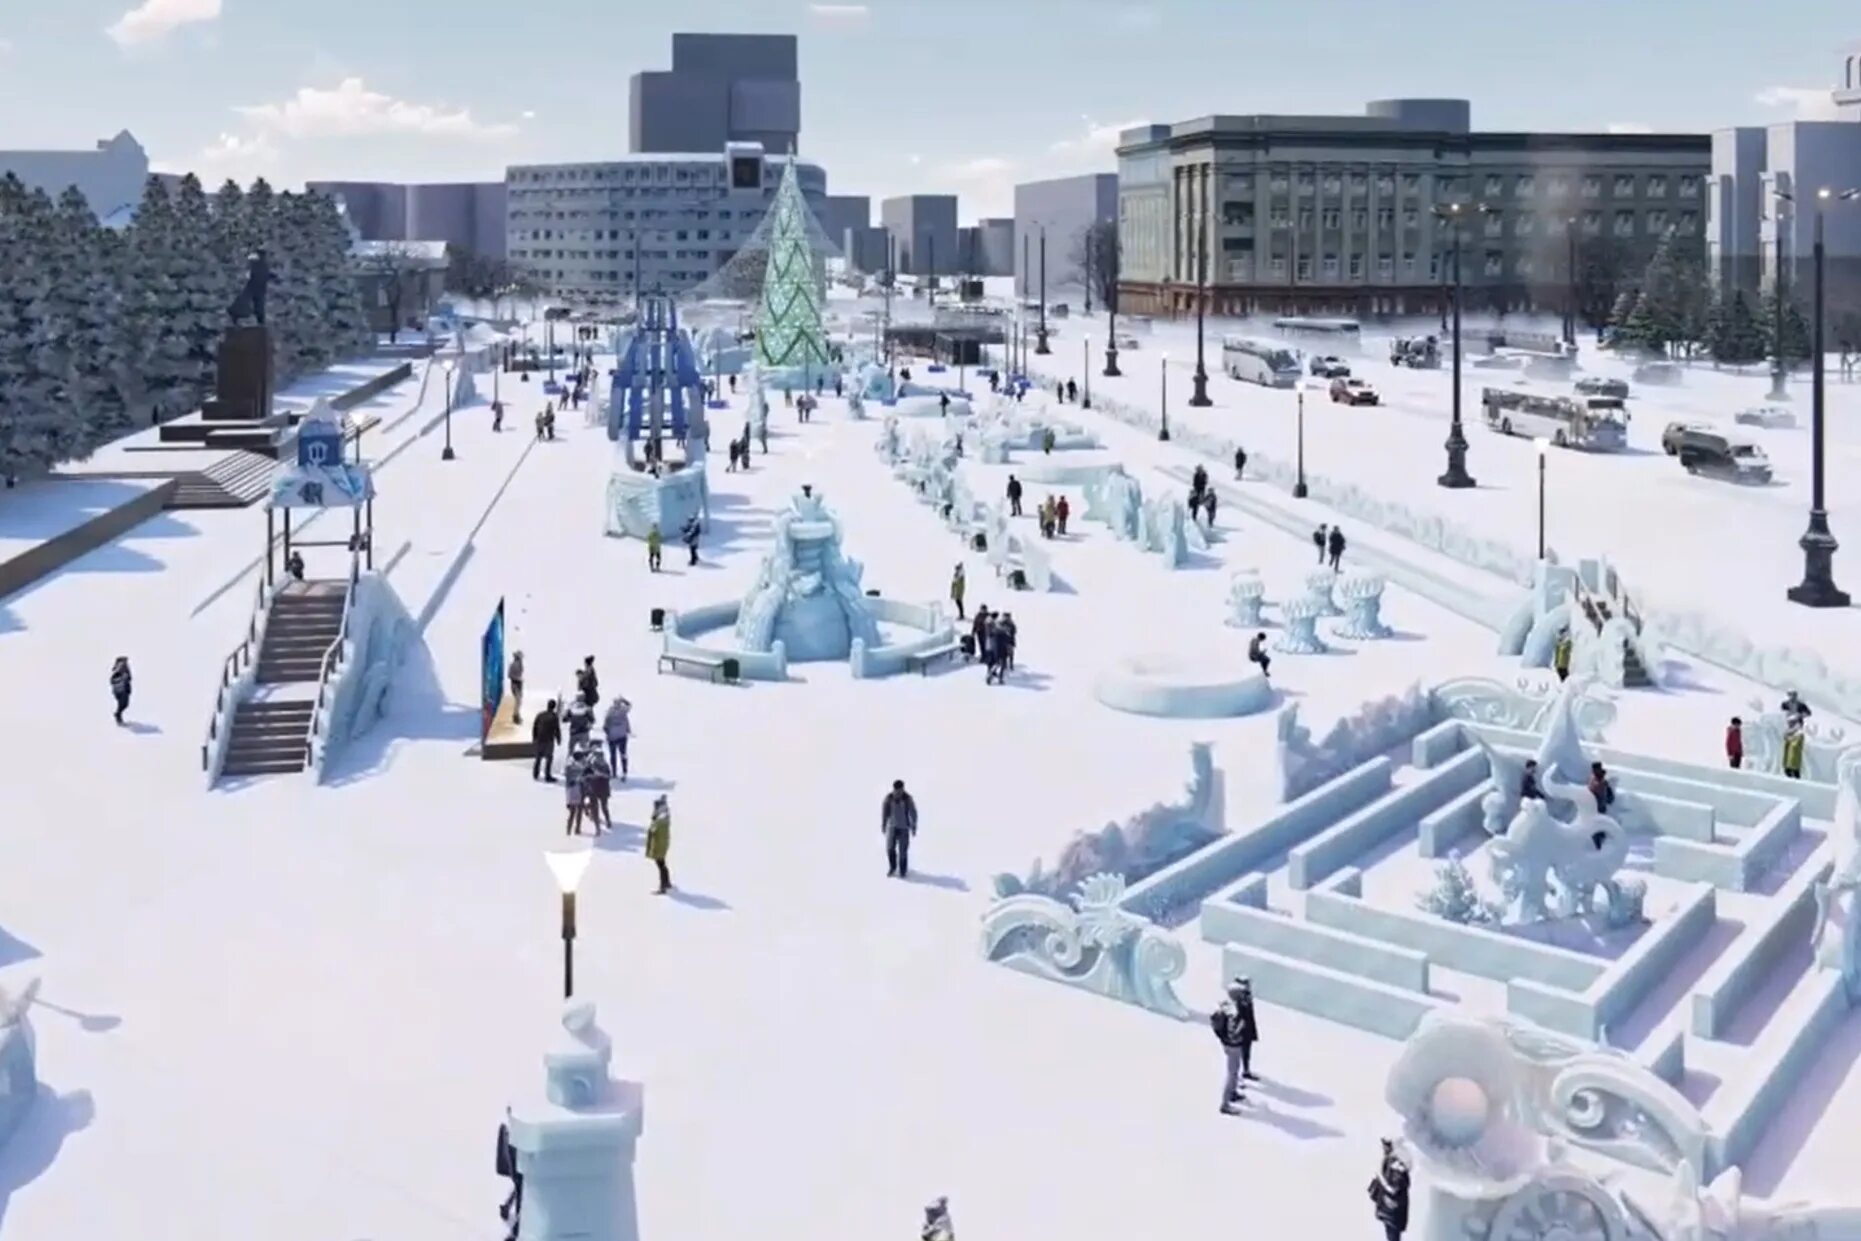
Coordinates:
807 594
19 1083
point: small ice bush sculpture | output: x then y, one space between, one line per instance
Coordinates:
1246 596
1454 898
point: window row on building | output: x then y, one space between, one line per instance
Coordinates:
1554 186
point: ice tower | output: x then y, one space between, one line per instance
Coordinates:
789 335
807 594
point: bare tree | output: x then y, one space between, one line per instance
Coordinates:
1096 252
391 264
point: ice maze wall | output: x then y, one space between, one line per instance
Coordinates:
1323 947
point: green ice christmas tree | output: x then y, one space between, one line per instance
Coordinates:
788 313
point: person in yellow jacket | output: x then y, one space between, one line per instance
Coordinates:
654 541
659 841
1793 738
1560 656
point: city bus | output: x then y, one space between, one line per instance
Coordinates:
1259 361
1599 422
1323 335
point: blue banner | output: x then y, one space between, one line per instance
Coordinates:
492 671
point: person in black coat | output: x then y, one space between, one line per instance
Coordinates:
1234 1026
1240 463
545 733
1528 782
1334 544
120 683
512 1209
1389 1190
587 682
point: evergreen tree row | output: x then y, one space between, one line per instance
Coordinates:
104 331
1675 308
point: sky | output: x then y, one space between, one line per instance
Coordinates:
898 96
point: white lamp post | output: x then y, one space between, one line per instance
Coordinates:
568 866
1085 369
1544 451
1163 370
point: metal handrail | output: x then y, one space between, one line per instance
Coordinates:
332 662
234 664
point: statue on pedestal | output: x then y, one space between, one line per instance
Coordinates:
250 304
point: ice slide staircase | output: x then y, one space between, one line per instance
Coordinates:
276 683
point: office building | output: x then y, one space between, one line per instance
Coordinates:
579 230
1063 209
997 246
111 177
924 229
722 88
841 212
1349 214
1746 217
467 215
868 249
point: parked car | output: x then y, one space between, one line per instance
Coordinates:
1597 385
1353 392
1766 416
1327 367
1661 374
1672 432
1125 341
1715 455
1499 362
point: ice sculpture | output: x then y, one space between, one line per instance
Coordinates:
1300 636
758 402
1484 701
889 446
1118 501
1319 584
789 333
1362 594
1375 728
1838 920
19 1081
807 594
656 402
1825 748
1092 943
1246 597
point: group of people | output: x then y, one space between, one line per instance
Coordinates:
546 421
688 534
992 638
1601 787
805 406
1201 496
1796 715
1329 540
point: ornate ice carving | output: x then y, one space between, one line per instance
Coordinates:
1319 584
1483 701
1838 898
1092 943
1300 636
1362 598
1246 597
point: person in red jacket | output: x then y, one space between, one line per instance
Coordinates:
1735 742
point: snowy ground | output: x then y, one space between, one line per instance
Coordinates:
302 1008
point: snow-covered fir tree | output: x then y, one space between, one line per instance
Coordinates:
94 366
344 316
1739 339
155 310
292 309
206 285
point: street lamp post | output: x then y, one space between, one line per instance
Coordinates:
1199 397
568 866
1163 370
1779 367
1085 371
1299 489
1040 333
446 453
1570 275
1456 475
1544 451
1111 326
1818 588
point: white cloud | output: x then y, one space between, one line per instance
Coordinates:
1139 17
914 160
1806 103
840 12
1629 127
529 114
984 185
1095 141
153 20
350 109
236 156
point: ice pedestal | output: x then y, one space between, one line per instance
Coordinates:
577 1139
638 500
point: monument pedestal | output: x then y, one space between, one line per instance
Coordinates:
242 387
575 1143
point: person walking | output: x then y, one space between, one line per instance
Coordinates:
1335 545
572 793
516 687
1735 743
1072 392
1318 540
597 789
937 1225
943 403
1794 709
654 542
898 823
1233 1026
587 683
991 646
1257 653
1389 1190
957 587
580 721
1014 496
1208 506
1198 481
120 685
617 726
1011 634
978 629
511 1211
1794 736
1604 792
659 842
545 733
1240 463
295 565
1061 510
689 532
1560 654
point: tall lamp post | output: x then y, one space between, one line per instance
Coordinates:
1779 288
1818 588
568 866
1163 370
1111 310
1544 451
1299 490
1199 397
1570 285
446 453
1085 371
1456 475
1040 333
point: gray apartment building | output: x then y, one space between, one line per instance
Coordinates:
1063 209
869 249
1349 214
721 88
111 177
995 236
1746 217
843 212
579 230
924 229
469 215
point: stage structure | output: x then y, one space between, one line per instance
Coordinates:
656 420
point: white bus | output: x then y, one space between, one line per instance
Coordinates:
1324 335
1259 361
1597 422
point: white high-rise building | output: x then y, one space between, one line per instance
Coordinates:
111 177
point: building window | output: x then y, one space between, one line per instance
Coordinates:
1526 186
1385 184
1278 266
1410 217
1408 262
1689 187
1331 266
1657 187
1331 217
1624 186
1495 225
1278 217
1689 223
1333 184
1305 218
1525 267
1592 187
1657 222
1237 215
1625 224
1385 217
1356 266
1360 219
1411 182
1495 265
1434 267
1385 266
1306 183
1278 183
1305 267
1495 186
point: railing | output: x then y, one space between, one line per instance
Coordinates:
232 672
315 741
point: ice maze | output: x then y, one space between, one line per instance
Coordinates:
1721 983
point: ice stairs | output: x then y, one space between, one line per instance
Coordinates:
271 726
234 481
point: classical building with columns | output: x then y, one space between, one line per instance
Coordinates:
1356 215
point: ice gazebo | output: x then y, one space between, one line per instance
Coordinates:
656 420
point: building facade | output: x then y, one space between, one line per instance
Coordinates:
924 230
997 236
842 212
722 88
111 177
868 249
467 215
1764 190
1063 209
1356 214
581 231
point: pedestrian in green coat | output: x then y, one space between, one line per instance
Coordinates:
659 842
